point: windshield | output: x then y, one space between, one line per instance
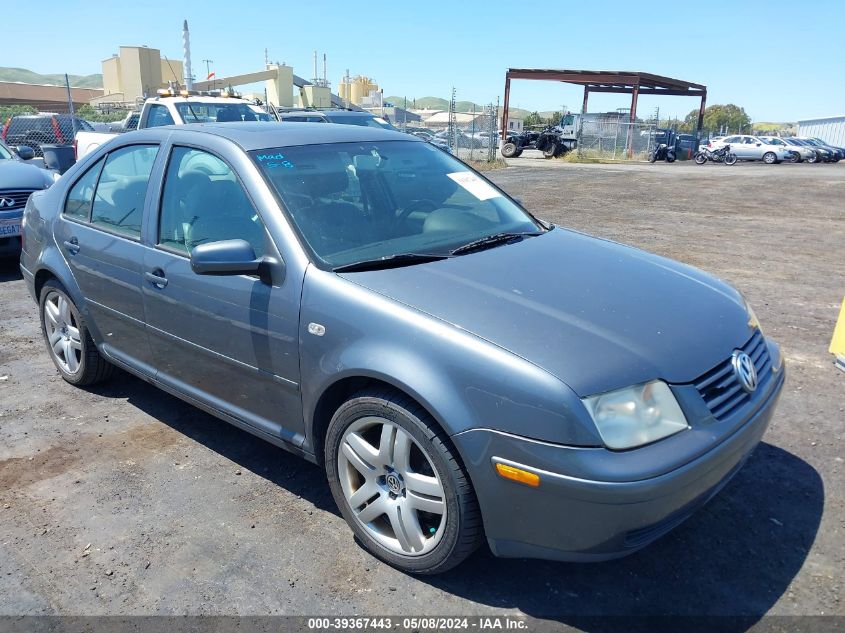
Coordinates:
365 121
354 202
210 112
5 154
773 141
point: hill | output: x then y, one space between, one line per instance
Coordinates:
22 75
436 103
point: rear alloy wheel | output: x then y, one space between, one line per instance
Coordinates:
770 158
794 157
398 485
700 158
550 151
814 158
730 158
70 345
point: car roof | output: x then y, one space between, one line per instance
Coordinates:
263 135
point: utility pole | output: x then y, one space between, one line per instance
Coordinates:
208 63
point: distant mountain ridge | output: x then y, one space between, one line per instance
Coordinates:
22 75
436 103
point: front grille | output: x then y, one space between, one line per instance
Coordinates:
17 196
719 387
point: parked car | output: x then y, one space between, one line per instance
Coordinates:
835 153
35 130
18 180
748 147
796 154
804 151
461 369
822 155
343 117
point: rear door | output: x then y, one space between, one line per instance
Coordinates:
99 231
228 341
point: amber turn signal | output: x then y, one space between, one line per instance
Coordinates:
517 474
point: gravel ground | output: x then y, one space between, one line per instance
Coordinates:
124 500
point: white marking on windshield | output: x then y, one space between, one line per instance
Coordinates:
475 185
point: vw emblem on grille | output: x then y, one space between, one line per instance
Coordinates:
7 202
744 370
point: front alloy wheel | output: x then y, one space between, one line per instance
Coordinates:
398 483
391 486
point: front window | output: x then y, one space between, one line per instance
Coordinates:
215 111
202 202
5 154
355 202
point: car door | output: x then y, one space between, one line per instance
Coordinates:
99 231
231 341
752 148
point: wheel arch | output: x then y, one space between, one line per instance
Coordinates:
344 387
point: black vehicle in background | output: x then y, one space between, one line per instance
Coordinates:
35 130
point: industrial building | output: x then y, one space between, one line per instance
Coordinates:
134 72
829 129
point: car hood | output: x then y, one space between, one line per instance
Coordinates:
596 314
17 175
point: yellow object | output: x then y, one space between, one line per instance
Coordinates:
837 343
517 474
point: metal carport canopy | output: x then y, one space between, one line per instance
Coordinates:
635 83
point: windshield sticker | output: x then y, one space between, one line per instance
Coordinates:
475 185
274 161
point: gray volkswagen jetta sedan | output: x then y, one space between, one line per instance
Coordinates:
462 370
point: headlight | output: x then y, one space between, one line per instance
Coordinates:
636 415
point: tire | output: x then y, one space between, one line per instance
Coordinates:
670 157
72 349
730 159
422 542
813 159
770 158
510 150
700 158
652 157
550 150
795 157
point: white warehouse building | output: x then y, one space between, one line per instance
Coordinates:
829 129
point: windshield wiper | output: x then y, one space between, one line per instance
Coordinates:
389 261
491 240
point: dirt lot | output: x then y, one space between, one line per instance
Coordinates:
124 500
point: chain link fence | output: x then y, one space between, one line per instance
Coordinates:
617 138
37 124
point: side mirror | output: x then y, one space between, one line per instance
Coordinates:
226 257
25 152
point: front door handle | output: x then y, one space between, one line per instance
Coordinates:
72 246
156 278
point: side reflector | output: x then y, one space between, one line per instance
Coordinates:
517 474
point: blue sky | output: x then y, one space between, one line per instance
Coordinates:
781 61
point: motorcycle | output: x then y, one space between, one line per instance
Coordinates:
662 152
720 155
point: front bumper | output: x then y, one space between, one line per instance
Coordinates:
578 518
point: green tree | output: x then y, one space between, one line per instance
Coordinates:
89 113
15 110
728 117
532 120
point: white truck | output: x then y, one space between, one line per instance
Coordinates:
171 107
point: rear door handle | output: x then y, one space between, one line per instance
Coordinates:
72 246
156 278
